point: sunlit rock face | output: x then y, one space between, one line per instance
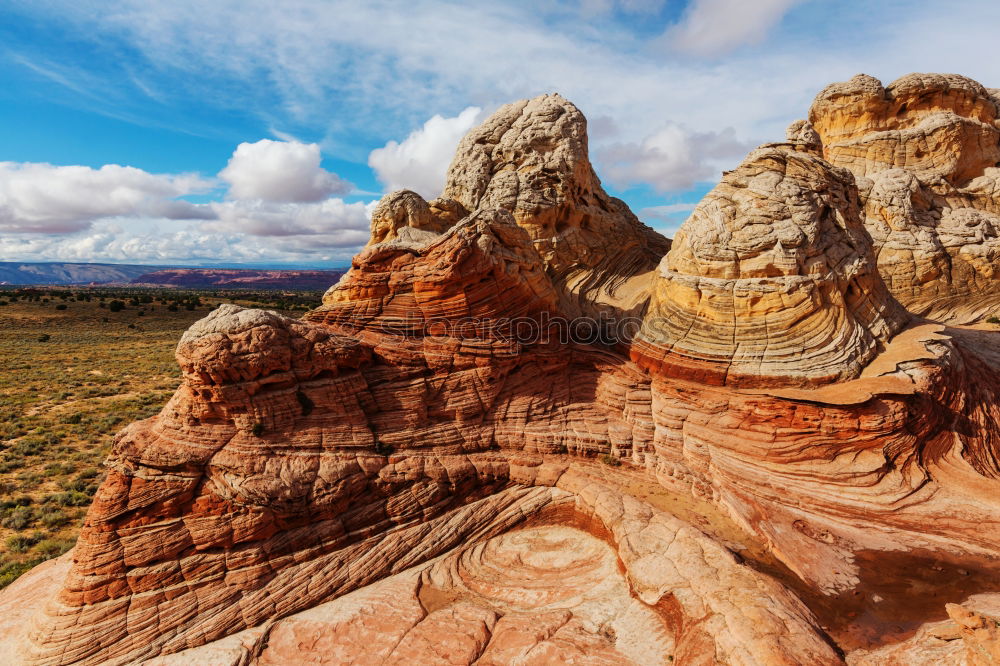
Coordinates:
784 467
531 158
771 281
924 150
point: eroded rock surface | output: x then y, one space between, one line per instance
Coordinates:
530 158
784 468
772 280
925 151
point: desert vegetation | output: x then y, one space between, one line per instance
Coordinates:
79 364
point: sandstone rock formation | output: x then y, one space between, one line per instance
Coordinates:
925 151
784 467
530 158
771 280
408 210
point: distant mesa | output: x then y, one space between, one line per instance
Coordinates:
69 274
55 273
240 278
795 461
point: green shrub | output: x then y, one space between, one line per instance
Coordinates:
11 571
19 518
80 486
257 429
11 462
610 460
69 498
58 469
116 306
54 519
30 445
44 337
20 543
993 320
61 306
49 548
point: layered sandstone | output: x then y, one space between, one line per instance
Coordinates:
771 280
531 158
424 470
924 150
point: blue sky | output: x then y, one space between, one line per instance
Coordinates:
251 133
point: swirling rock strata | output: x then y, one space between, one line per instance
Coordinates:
924 150
531 158
421 469
771 280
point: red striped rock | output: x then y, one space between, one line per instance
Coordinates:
405 476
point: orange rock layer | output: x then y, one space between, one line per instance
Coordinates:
421 470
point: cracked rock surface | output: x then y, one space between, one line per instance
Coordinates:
925 151
784 467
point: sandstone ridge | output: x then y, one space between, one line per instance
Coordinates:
762 475
925 151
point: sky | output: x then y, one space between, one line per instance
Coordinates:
262 133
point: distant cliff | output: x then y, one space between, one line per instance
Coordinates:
199 278
12 272
53 273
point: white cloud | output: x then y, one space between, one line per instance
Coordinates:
715 27
420 162
667 219
124 214
673 158
155 242
331 223
280 171
43 198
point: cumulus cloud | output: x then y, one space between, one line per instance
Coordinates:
420 162
667 219
154 242
43 198
715 27
277 208
673 158
280 171
331 223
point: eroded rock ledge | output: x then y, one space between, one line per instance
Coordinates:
925 151
759 478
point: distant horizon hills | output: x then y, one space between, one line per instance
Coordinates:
258 276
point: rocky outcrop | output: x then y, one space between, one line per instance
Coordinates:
530 158
770 281
437 465
407 210
924 151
